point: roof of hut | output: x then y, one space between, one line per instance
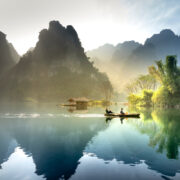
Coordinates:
80 99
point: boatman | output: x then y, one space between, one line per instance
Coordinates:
121 112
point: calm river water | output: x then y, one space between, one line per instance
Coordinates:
49 142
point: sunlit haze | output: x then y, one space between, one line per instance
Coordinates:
89 89
96 21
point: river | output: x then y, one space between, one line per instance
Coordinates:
45 141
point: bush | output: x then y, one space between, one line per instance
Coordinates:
133 99
146 98
143 99
163 98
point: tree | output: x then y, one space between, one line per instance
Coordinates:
142 99
167 74
147 82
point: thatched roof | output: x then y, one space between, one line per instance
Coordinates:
81 99
71 100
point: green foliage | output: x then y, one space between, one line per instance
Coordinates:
146 98
142 82
167 74
168 94
160 96
143 99
134 99
141 90
163 98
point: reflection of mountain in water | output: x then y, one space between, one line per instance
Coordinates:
56 143
125 143
7 146
55 146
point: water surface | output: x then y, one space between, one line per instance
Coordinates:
48 142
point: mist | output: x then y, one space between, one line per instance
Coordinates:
126 61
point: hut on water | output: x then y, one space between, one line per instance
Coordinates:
79 102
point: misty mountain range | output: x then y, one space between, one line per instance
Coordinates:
56 69
154 48
8 55
129 59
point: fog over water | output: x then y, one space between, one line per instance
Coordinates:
89 90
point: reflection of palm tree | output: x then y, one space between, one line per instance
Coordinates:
158 138
125 144
170 136
165 135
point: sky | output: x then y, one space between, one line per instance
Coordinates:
96 21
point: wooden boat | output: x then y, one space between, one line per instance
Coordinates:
122 115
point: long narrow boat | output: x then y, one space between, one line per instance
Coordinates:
122 115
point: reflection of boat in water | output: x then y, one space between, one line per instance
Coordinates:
113 115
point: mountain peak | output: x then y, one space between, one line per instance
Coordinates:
8 55
58 62
167 32
55 25
164 36
2 36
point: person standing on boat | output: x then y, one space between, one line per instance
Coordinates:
121 112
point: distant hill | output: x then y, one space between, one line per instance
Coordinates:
8 55
102 53
130 58
117 56
155 48
166 42
110 52
124 50
57 68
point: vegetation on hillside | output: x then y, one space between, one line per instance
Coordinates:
56 69
166 89
8 55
